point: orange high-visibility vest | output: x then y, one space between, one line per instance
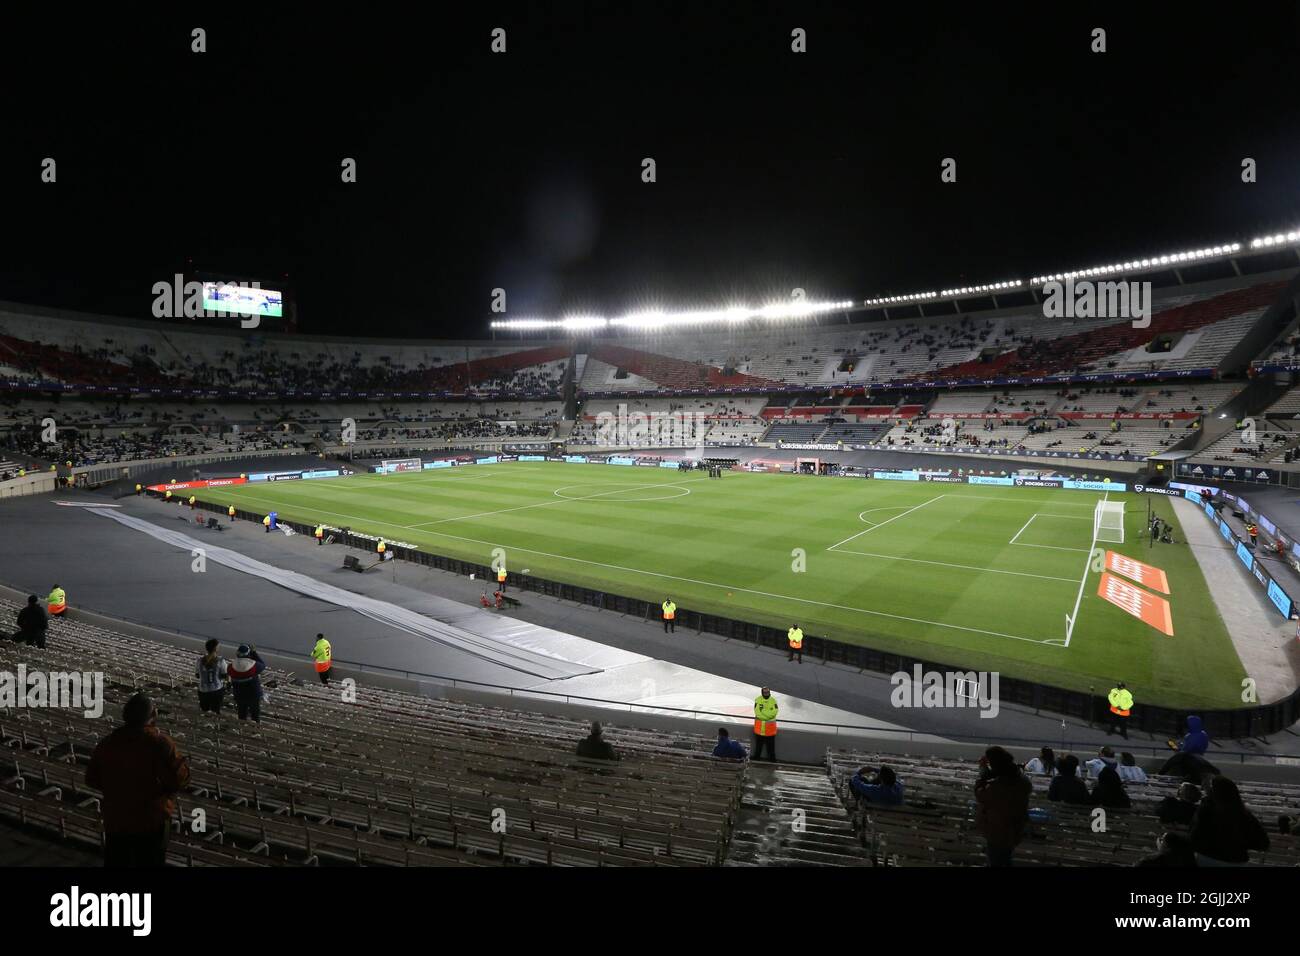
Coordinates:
795 636
670 610
501 575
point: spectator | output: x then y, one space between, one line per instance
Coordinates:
729 748
138 769
882 786
211 672
594 747
1128 769
1223 830
1044 765
1066 786
1105 758
246 682
1173 849
32 623
1181 808
1002 795
1196 742
1109 791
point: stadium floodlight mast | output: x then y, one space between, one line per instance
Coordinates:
660 319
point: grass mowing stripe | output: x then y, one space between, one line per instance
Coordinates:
941 581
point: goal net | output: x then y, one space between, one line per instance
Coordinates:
1108 522
390 465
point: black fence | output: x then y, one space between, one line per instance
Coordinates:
1092 708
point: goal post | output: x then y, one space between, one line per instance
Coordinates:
1108 522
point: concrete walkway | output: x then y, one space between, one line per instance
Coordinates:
1265 642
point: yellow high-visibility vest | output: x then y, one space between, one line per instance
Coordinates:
765 716
1121 701
796 637
670 610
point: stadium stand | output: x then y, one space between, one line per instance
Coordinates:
935 824
394 779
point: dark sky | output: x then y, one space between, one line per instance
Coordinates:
522 170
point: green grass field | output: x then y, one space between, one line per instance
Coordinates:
975 576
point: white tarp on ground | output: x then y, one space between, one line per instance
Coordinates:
558 663
534 660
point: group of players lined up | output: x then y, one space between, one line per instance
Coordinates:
715 471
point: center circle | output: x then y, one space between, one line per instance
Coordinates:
604 491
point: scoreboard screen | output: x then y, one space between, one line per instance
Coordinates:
242 299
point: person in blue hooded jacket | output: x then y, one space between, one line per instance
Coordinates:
731 749
1197 740
1190 762
882 786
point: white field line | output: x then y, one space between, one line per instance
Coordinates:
1049 642
1050 547
945 564
1073 619
1022 530
885 522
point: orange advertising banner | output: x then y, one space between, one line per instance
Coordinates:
1135 570
1147 607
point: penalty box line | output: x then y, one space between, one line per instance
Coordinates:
1047 642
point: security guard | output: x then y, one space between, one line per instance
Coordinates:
230 513
765 725
501 578
1253 530
58 602
266 523
795 637
320 534
139 488
381 547
192 501
168 496
323 655
670 616
1121 705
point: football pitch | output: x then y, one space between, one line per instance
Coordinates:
979 577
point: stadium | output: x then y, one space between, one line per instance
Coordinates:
950 564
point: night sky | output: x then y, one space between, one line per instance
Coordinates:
523 170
